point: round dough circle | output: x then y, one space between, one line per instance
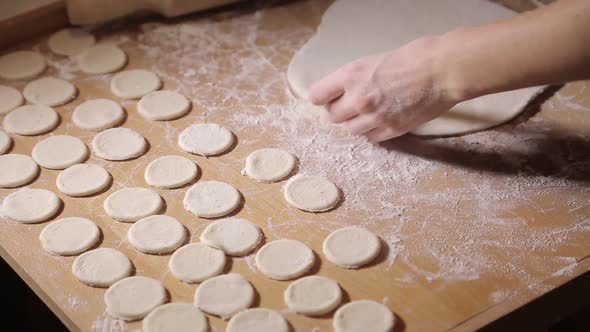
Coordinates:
101 267
101 59
163 105
196 262
269 165
5 143
59 152
206 139
118 144
98 114
21 65
313 295
69 236
258 319
284 259
10 98
49 91
351 247
83 180
132 204
235 236
29 206
311 193
224 295
31 120
134 84
363 315
176 317
134 297
70 41
210 199
17 169
170 172
156 234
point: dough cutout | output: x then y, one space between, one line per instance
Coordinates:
311 193
134 298
313 295
30 206
5 143
59 152
206 139
163 105
17 170
83 180
156 234
169 172
21 65
224 295
211 199
29 120
258 319
10 98
132 204
175 317
101 59
101 267
69 236
363 315
269 165
98 115
70 42
49 91
118 144
196 262
235 236
134 84
351 247
284 259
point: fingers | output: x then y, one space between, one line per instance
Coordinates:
364 123
341 110
382 134
328 88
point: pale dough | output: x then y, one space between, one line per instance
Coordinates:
311 193
313 295
175 317
211 199
69 236
31 120
101 267
17 169
83 180
351 247
235 236
134 84
10 98
284 259
134 298
156 234
59 152
163 105
362 316
101 59
118 144
170 172
29 206
269 165
206 139
70 41
196 262
385 25
21 65
49 91
258 320
5 142
132 204
98 115
224 295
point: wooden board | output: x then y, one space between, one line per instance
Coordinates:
473 226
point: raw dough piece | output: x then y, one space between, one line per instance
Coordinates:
30 120
399 22
29 206
134 298
5 142
284 259
83 180
206 139
311 193
118 144
211 199
258 319
101 267
21 65
59 152
351 247
170 172
17 169
363 315
224 295
132 204
235 236
175 317
98 114
269 165
196 262
134 84
10 98
69 236
101 59
163 105
49 91
70 41
313 295
156 234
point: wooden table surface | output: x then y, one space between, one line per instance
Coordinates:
473 226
